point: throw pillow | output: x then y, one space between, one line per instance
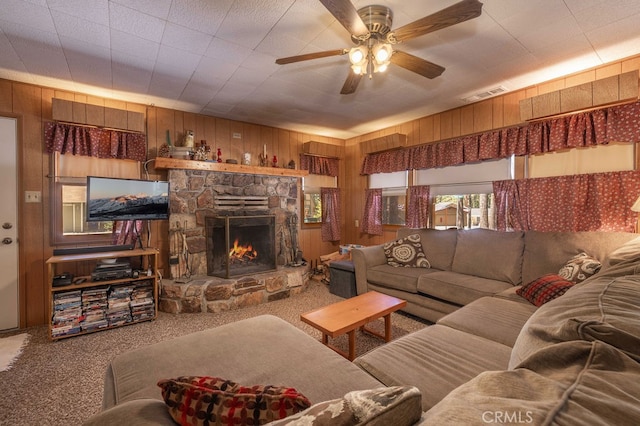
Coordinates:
406 252
200 400
544 289
580 267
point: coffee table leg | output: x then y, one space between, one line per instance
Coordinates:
387 328
325 339
352 345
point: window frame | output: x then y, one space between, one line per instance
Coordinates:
399 183
303 192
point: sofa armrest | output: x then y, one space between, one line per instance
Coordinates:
364 258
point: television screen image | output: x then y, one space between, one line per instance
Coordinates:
126 199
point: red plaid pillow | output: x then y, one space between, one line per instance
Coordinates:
196 400
544 289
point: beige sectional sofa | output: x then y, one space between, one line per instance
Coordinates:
499 360
469 264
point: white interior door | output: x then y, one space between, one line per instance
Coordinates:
9 296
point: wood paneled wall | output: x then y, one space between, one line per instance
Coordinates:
32 105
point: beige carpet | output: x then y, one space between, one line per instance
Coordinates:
60 383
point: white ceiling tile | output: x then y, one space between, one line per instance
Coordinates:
96 11
202 16
137 23
81 29
186 39
133 47
130 77
227 51
27 14
157 8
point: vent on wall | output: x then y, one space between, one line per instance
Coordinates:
486 94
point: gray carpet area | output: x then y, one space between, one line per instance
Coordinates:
60 383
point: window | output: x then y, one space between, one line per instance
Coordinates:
463 195
311 203
596 159
69 196
394 195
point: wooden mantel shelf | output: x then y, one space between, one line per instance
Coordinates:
175 163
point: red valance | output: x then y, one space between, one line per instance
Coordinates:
319 165
94 142
597 127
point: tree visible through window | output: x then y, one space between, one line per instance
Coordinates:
464 211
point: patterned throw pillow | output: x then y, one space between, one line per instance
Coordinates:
202 400
544 289
406 252
580 267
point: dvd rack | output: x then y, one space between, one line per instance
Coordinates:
113 295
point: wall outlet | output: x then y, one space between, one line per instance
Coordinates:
357 223
32 196
237 136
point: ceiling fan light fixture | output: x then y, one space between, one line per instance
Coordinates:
358 55
382 53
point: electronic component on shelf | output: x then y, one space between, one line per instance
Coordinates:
63 279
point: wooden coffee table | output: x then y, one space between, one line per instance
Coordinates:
348 315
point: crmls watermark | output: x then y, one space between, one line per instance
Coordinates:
507 417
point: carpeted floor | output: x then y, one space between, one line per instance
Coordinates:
60 383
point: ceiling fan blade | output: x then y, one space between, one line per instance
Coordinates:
308 56
459 12
417 65
351 83
347 15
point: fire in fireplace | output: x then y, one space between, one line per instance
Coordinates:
240 245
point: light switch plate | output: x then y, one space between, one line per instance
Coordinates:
32 196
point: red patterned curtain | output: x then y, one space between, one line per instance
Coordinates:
331 213
588 202
372 217
94 142
597 127
126 232
319 165
418 207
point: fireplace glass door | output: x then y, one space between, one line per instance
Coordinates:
240 245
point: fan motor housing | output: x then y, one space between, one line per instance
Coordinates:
378 19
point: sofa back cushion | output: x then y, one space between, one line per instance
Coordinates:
573 383
438 246
489 254
547 252
604 308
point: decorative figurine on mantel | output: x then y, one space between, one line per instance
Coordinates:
189 139
246 158
219 155
274 162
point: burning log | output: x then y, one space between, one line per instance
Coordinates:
242 253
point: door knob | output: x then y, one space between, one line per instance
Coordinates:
7 225
7 240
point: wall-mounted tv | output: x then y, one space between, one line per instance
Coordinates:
126 199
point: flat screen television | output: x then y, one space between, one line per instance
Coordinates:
126 199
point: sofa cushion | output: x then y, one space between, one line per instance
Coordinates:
547 252
544 289
489 254
405 279
406 252
458 288
627 252
571 383
602 308
436 360
439 245
580 267
397 405
204 400
135 374
493 318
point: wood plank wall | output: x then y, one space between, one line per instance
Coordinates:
32 106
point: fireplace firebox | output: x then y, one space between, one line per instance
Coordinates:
240 245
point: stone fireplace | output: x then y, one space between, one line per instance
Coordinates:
240 245
196 195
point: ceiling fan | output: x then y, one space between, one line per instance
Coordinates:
370 29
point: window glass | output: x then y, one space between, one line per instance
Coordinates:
311 204
394 195
463 195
